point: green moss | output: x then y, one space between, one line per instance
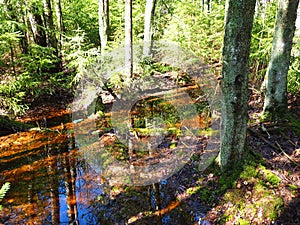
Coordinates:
293 187
248 172
269 178
246 203
194 190
242 222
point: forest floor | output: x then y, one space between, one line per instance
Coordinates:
265 191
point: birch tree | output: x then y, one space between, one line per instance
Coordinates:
236 48
103 15
148 27
275 104
128 40
59 25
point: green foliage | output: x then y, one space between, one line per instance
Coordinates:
294 70
262 37
80 55
197 30
82 15
4 189
33 79
40 60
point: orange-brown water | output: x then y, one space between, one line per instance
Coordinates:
51 183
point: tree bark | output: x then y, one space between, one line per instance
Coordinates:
49 24
148 27
103 14
275 104
36 24
128 41
236 48
59 25
51 34
24 41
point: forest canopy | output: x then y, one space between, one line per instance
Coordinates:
45 45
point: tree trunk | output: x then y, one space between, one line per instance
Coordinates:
103 14
206 5
36 24
49 24
24 41
236 48
51 34
275 104
148 27
128 41
59 25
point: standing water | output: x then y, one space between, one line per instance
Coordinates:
51 183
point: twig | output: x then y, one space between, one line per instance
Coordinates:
292 143
280 148
274 146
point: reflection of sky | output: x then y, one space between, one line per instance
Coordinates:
63 209
87 192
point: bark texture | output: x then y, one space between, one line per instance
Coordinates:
59 25
148 27
36 24
128 40
103 15
275 105
236 47
49 24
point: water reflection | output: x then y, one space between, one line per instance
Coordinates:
52 184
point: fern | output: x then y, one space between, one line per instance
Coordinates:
4 189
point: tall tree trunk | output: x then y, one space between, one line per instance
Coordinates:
51 34
236 48
36 24
24 41
49 24
275 104
128 41
148 27
59 25
103 15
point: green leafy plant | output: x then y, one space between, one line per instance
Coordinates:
4 189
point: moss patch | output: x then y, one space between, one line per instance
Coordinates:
251 198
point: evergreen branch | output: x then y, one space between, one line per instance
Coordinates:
4 189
